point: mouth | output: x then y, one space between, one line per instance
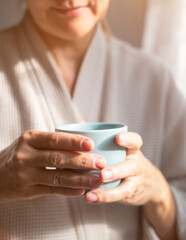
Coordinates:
70 11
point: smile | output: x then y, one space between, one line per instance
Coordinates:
70 12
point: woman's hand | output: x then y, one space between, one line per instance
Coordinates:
141 180
23 172
142 184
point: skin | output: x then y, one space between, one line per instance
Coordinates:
142 185
23 173
67 37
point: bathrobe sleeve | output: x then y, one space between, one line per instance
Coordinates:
173 157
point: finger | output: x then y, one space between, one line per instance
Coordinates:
122 170
58 141
41 190
123 193
64 159
129 140
64 178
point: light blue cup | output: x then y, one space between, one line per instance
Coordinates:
103 135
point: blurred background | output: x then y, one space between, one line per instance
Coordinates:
156 26
127 20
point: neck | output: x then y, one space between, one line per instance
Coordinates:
67 49
68 55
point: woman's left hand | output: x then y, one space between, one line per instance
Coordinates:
141 181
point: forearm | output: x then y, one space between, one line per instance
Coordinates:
161 214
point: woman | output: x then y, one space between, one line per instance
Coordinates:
58 66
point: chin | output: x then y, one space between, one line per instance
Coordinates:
72 32
70 27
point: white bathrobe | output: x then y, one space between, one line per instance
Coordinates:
116 83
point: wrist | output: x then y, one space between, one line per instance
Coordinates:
160 189
161 195
160 211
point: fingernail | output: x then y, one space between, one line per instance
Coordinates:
86 145
91 197
95 182
100 162
123 138
107 174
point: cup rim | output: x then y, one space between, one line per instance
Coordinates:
69 127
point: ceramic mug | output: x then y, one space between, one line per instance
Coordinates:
104 138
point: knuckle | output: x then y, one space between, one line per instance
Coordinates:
80 182
18 159
57 191
22 138
72 142
30 133
26 136
57 160
54 139
84 160
127 195
58 179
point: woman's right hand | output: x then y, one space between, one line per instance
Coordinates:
23 172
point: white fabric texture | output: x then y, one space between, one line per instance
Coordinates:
116 84
165 36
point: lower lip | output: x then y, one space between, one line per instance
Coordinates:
70 13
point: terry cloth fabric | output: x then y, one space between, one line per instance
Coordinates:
116 83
